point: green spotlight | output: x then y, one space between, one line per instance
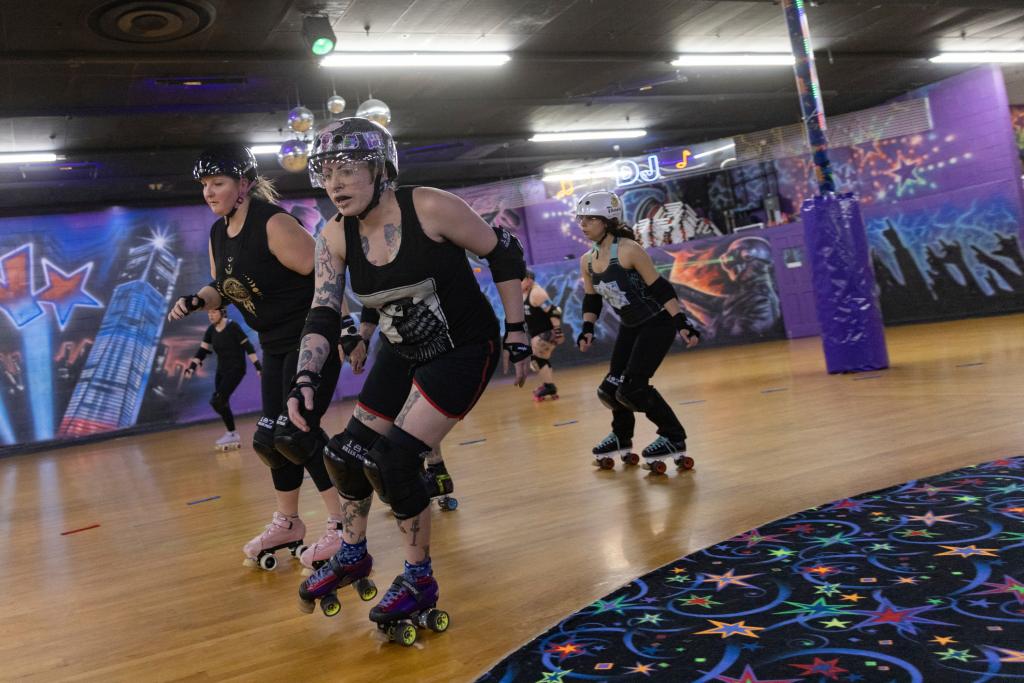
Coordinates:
318 34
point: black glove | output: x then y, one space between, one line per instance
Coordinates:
350 337
193 302
304 378
683 323
588 331
517 351
258 365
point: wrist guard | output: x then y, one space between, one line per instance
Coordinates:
683 323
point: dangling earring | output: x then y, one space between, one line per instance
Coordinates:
238 202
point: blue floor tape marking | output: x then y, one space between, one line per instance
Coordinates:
203 500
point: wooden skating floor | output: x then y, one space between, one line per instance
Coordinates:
157 591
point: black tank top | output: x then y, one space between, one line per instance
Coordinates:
428 298
272 298
228 345
537 321
623 289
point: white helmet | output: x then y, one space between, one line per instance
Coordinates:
600 203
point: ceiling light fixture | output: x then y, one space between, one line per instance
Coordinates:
318 34
265 149
371 60
27 157
569 136
978 58
751 59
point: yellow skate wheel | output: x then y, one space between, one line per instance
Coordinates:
438 621
367 589
406 634
330 605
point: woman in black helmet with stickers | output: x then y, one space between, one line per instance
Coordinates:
404 251
619 271
261 260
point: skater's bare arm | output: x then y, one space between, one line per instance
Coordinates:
323 324
290 243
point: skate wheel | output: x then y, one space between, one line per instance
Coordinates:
366 589
630 458
405 634
447 504
249 562
330 605
437 620
306 571
685 463
605 463
555 397
657 467
268 562
298 550
306 606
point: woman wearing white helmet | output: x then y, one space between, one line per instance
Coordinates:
619 271
404 250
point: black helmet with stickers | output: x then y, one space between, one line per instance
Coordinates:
356 139
235 161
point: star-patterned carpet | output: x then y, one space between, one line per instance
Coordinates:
922 582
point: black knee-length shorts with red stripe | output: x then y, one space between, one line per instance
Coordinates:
452 383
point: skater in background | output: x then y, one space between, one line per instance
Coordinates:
404 250
544 324
226 339
261 260
619 271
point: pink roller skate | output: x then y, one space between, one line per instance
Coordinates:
545 392
282 532
316 555
408 605
323 585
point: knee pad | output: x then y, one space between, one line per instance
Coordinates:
296 445
637 395
345 459
218 402
606 393
541 362
263 444
394 467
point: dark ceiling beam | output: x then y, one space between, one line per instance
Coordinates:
202 58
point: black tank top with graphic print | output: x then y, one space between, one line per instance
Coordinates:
272 298
537 321
428 298
623 289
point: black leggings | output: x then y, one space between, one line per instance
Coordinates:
276 382
225 383
636 357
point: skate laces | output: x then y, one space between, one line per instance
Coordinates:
402 585
330 533
609 440
277 522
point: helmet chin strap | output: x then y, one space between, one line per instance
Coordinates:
378 184
231 213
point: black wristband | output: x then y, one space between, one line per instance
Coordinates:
514 327
588 327
683 323
189 306
306 378
258 365
193 365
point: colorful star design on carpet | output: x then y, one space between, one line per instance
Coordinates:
726 630
748 676
967 551
851 597
617 605
557 676
830 668
1017 510
904 619
849 504
821 570
799 529
1009 585
828 589
834 623
930 518
650 618
644 669
754 537
1012 656
942 640
916 533
958 655
698 601
566 650
726 579
781 552
840 538
879 547
818 608
933 491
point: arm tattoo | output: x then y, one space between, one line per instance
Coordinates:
363 416
313 352
409 403
330 283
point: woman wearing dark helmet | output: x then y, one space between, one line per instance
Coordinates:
261 260
405 252
619 271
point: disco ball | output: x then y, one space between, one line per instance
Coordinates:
335 104
376 111
300 120
293 155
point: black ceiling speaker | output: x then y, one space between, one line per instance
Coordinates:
151 21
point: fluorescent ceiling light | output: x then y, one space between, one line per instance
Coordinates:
27 157
752 59
371 60
979 58
588 135
581 174
265 149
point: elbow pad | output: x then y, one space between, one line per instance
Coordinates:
662 291
325 321
552 310
370 316
592 303
201 354
248 347
506 259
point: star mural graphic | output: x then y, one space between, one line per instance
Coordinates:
727 630
967 551
930 518
1009 585
726 579
904 619
1012 656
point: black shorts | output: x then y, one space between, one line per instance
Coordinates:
452 383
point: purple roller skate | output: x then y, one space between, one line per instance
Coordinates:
409 604
323 585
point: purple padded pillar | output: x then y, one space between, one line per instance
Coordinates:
852 333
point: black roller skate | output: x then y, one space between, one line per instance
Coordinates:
545 392
323 585
440 484
408 605
660 450
605 452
